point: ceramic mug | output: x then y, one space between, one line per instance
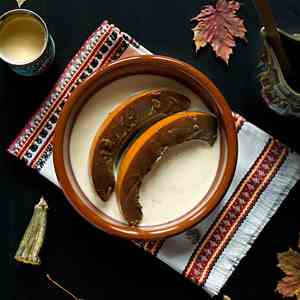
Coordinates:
25 43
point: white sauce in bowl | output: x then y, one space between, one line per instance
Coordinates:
176 183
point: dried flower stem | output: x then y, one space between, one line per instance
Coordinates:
61 287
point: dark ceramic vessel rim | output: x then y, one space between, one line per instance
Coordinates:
164 66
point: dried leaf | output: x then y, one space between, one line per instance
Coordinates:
20 2
289 263
225 297
218 26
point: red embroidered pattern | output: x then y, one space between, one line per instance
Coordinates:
235 211
33 143
64 95
153 246
239 121
26 135
150 246
72 86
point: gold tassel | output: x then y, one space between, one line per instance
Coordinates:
33 238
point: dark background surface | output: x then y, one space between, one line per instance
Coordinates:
90 263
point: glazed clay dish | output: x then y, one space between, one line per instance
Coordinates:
187 182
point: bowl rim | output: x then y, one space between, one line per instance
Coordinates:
87 210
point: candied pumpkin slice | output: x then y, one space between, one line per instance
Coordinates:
150 147
132 115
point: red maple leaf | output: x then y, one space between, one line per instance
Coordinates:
218 26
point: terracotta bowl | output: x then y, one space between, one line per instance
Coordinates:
170 68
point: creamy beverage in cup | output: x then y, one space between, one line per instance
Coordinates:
25 43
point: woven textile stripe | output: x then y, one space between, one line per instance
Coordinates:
41 114
154 246
33 144
35 162
237 208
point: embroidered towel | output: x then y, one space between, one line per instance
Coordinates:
208 253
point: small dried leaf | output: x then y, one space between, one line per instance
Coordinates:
20 2
218 26
289 263
225 297
289 287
